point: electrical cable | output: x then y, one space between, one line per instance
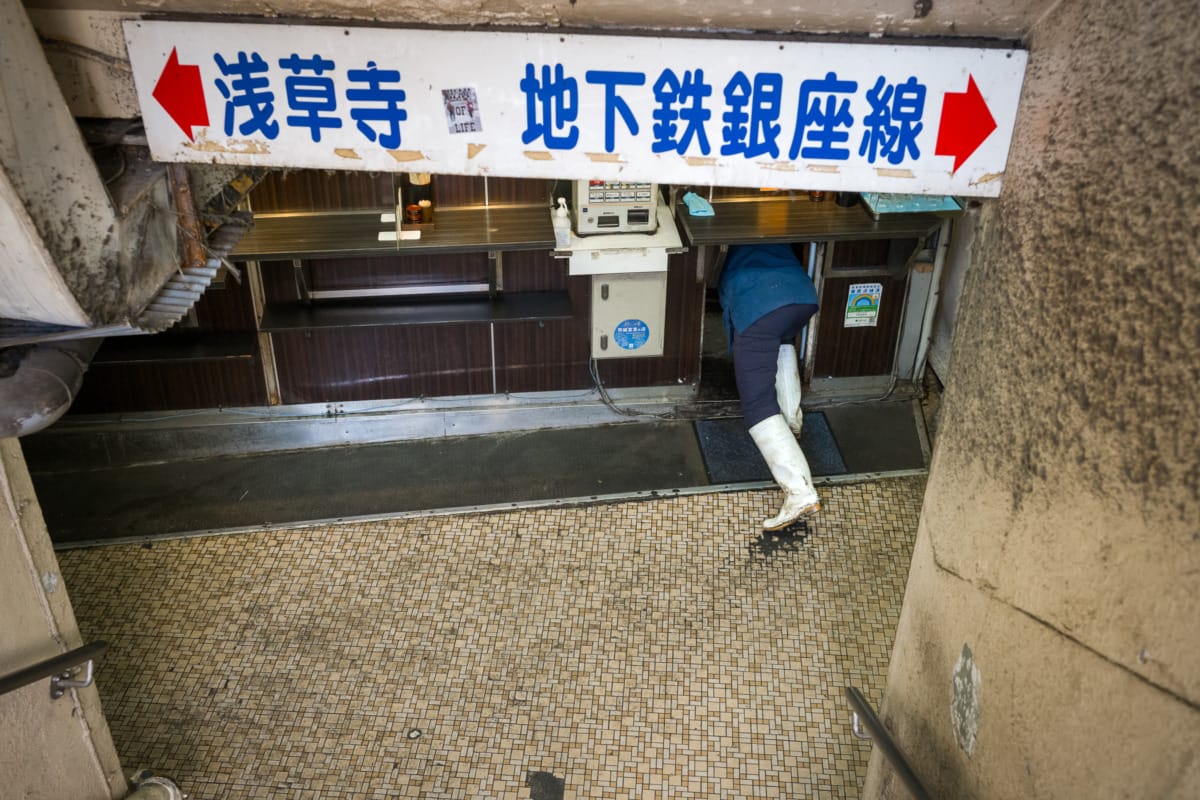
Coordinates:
625 412
108 181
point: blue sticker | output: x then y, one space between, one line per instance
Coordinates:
631 334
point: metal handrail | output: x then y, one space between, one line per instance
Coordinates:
862 709
57 669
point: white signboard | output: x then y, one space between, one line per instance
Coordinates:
859 117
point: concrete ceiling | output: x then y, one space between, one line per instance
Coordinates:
1008 19
85 44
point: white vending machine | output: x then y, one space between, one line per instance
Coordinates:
614 207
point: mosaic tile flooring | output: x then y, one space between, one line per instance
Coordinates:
661 649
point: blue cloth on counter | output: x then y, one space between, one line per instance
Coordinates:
697 205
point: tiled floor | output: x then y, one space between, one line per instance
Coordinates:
660 649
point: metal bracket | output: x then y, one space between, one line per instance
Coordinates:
495 272
53 668
712 272
858 733
301 281
60 683
883 741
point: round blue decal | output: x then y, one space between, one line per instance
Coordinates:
631 334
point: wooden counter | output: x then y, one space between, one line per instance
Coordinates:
797 219
356 233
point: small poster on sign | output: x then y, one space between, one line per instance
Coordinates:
862 305
462 110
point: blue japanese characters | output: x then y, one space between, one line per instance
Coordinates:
373 101
750 115
749 106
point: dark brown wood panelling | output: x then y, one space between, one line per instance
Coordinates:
861 253
458 190
400 361
852 352
890 254
279 277
542 356
551 355
469 190
347 364
164 385
518 191
733 192
554 355
228 307
534 271
364 273
318 190
738 192
214 364
279 281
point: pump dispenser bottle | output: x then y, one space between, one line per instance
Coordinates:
562 225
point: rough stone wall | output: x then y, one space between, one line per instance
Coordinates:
874 17
1049 644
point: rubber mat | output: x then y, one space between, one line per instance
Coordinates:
280 488
730 455
877 437
84 504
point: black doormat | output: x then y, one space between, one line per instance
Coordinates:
730 455
877 437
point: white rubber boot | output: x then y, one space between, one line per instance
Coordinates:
790 470
787 387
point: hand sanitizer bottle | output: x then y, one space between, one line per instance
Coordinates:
562 225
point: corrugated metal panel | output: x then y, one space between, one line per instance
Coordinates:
171 304
178 295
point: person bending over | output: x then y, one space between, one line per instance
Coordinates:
767 298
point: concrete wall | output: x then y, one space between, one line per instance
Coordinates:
875 17
954 275
70 254
49 749
1049 645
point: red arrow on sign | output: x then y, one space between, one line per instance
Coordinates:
966 123
180 92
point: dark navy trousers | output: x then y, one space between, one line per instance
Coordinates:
756 358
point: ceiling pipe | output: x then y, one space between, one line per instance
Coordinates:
40 383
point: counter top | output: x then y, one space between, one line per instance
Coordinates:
356 233
529 227
795 219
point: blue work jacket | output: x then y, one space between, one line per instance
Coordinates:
758 279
